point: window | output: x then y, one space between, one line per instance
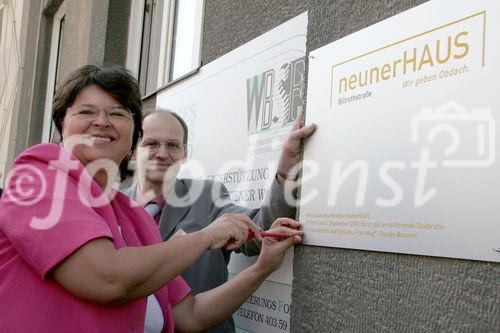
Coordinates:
164 40
53 78
187 37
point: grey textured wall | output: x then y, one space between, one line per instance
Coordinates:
116 32
231 23
339 290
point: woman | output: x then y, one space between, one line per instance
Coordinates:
76 256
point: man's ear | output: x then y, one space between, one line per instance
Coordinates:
184 155
133 157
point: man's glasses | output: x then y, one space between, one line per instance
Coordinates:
172 146
91 112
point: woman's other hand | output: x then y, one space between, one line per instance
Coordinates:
273 249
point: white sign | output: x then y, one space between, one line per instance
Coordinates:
405 158
239 109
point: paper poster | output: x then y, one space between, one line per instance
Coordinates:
405 155
239 109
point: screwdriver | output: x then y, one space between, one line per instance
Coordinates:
269 234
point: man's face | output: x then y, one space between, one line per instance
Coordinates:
161 149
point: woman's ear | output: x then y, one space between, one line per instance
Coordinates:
61 126
59 134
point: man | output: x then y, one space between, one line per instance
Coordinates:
189 205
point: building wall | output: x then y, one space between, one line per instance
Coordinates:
10 61
95 32
340 290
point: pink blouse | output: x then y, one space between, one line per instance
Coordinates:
50 207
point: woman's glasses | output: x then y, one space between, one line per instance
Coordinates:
91 112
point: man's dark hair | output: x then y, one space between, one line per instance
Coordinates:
176 116
116 81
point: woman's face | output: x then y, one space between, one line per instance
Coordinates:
97 127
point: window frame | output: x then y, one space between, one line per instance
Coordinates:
196 41
53 70
159 45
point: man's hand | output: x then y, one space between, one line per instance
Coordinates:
290 155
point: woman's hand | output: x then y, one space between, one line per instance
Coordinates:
198 313
273 249
231 231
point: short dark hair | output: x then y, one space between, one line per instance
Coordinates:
116 81
176 116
